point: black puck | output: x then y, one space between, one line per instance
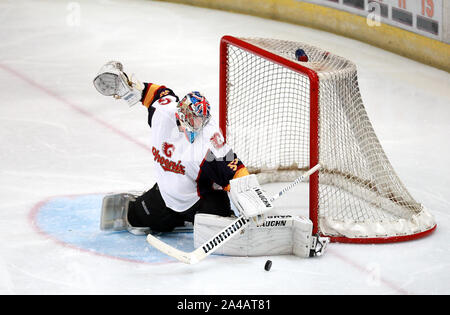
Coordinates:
268 265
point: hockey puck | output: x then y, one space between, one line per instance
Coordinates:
268 265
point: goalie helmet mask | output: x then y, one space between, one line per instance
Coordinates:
193 114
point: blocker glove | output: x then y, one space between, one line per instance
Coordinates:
249 198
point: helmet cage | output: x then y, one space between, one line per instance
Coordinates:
194 112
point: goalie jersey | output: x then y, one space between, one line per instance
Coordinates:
186 171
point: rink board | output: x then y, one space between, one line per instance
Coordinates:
75 222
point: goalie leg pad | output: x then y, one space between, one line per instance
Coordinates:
114 215
278 235
303 238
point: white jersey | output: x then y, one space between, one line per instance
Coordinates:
179 164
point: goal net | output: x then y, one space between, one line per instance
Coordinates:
282 116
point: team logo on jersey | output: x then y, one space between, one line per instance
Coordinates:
168 149
217 141
164 101
168 165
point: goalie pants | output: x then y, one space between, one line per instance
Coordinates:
150 210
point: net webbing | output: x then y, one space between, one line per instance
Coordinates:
268 116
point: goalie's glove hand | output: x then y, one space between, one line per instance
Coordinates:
249 198
112 81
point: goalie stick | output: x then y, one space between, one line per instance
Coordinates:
220 238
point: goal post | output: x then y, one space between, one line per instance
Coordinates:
282 116
314 103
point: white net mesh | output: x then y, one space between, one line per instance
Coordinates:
267 125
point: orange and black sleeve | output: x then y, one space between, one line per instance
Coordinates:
152 93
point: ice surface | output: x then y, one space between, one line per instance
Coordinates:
61 139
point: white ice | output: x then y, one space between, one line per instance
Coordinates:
60 137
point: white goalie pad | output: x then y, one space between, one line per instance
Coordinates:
112 81
278 235
248 196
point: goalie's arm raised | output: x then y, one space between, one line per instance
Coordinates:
156 93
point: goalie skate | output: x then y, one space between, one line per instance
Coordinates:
114 215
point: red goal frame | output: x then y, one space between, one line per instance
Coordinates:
313 129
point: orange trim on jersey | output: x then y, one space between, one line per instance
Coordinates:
241 172
150 95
